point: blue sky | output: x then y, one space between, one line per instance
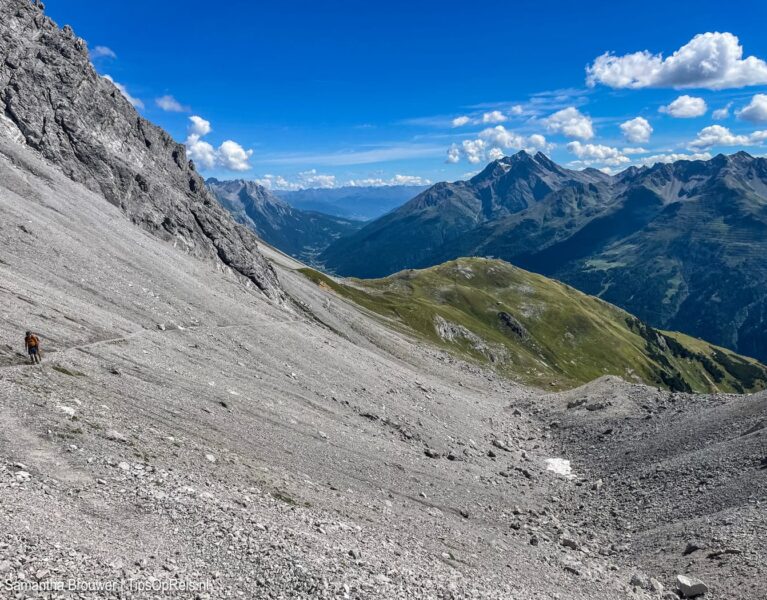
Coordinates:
324 93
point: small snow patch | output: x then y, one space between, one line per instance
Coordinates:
560 466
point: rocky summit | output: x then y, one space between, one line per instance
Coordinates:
211 419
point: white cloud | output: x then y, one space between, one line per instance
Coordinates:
516 110
538 142
461 121
396 180
722 113
409 180
637 130
102 52
202 153
199 126
314 179
495 116
277 182
710 60
495 154
229 155
474 150
305 179
716 135
685 107
124 91
234 157
756 111
170 104
630 151
673 157
597 153
492 143
571 123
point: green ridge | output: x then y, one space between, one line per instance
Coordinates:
543 332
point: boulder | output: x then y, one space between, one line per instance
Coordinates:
690 587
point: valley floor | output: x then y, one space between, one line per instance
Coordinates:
183 431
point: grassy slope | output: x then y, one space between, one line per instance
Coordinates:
567 337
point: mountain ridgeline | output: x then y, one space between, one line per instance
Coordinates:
680 245
52 100
299 233
541 331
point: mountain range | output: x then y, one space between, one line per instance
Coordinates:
300 233
351 202
680 245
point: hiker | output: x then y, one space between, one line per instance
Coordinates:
33 347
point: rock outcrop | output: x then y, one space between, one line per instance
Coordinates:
52 99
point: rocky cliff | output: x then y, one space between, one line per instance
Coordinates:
52 99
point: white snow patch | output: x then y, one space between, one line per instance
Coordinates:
560 466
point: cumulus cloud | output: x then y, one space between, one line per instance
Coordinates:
710 60
571 123
630 151
234 157
305 179
756 110
199 126
493 143
488 118
649 161
597 154
716 135
229 155
170 104
102 52
202 153
495 154
312 178
124 91
474 150
495 116
722 113
275 182
685 107
637 130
